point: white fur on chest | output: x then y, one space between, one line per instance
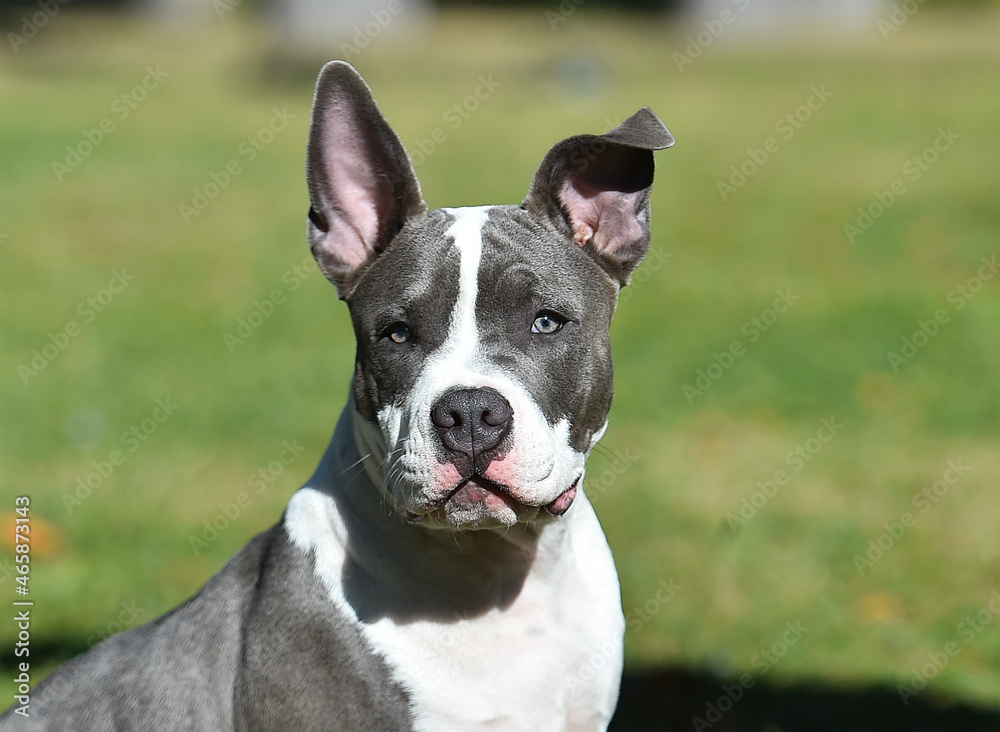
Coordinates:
552 660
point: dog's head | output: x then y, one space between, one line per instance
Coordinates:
483 374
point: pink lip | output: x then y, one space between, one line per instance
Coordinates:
479 489
483 483
561 505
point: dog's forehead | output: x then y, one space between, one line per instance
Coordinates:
523 254
515 251
420 267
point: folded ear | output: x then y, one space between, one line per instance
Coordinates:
596 188
362 186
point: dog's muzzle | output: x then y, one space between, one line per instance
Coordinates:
474 430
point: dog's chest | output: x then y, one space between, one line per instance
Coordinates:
536 665
550 661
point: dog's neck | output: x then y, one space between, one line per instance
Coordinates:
371 449
409 571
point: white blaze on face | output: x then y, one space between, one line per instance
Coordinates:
467 231
540 464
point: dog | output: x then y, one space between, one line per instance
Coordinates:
443 568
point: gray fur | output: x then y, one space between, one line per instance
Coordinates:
343 94
263 646
618 161
528 266
239 655
415 281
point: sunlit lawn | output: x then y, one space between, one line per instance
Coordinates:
678 465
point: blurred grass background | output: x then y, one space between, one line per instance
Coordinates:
671 469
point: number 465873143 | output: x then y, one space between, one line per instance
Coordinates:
22 540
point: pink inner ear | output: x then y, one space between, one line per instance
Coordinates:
355 217
607 219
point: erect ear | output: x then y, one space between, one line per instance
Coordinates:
596 188
362 186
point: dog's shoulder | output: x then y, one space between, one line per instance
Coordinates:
175 667
294 639
254 634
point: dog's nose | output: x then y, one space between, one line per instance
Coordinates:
472 421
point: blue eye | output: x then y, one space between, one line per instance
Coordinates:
547 322
397 333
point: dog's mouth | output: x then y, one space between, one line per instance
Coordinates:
565 499
490 502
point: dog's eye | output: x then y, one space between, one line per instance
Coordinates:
547 322
397 333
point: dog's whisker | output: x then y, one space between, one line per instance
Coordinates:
463 357
356 463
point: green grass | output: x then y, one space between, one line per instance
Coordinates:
721 262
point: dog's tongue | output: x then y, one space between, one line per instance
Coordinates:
561 505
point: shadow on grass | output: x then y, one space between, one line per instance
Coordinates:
671 699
